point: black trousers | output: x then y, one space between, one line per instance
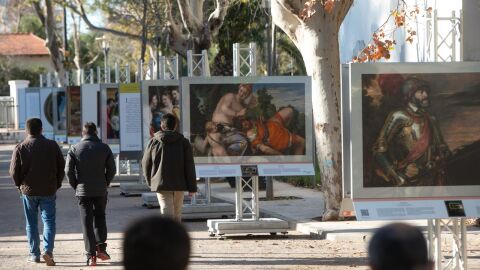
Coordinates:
92 214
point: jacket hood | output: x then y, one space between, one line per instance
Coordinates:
168 136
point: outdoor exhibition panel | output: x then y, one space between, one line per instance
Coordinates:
74 115
265 121
46 111
158 97
90 102
59 115
110 116
130 121
415 141
32 102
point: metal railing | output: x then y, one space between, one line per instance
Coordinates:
7 112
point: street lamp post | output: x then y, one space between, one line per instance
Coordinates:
157 40
106 49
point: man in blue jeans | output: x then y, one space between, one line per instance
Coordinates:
37 170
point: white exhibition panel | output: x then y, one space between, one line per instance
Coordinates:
59 115
32 103
89 94
452 89
21 107
46 108
200 96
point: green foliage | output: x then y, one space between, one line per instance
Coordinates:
10 72
245 22
31 23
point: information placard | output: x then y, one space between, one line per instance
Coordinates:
130 118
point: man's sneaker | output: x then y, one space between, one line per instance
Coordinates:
48 258
91 260
102 254
34 259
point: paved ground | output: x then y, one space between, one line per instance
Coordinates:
302 249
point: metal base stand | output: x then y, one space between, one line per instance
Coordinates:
255 224
458 229
199 207
132 188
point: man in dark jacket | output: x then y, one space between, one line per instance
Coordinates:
37 170
90 169
169 168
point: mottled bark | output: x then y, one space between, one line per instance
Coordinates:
317 40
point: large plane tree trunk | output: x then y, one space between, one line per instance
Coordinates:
316 37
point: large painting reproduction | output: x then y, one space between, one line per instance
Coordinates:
414 127
74 114
110 116
159 98
248 120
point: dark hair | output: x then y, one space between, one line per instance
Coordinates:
89 128
168 121
34 126
156 243
398 246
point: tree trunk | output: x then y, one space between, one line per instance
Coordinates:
52 43
324 68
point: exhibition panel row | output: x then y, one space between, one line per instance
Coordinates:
266 121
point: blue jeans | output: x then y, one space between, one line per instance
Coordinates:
47 206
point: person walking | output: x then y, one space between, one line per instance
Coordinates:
37 170
168 167
90 167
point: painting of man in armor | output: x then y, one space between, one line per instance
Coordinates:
418 131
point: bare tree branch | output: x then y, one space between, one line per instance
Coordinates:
215 20
190 22
80 10
284 17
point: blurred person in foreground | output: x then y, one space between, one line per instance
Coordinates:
37 170
90 168
399 246
157 243
169 168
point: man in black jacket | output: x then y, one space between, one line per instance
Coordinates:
37 170
90 169
168 167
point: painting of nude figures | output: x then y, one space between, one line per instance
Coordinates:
419 125
245 121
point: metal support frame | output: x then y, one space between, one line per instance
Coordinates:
243 208
244 60
168 68
442 47
458 230
122 73
246 207
198 64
